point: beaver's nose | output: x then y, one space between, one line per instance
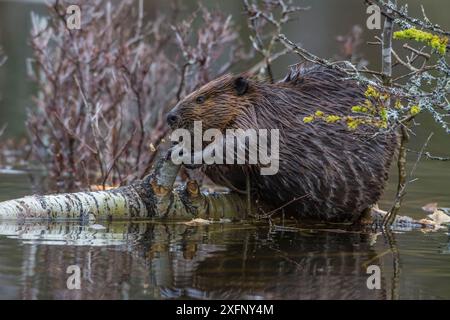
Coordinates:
172 119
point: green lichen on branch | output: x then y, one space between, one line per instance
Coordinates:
436 42
374 111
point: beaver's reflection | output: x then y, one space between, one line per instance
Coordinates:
216 261
235 262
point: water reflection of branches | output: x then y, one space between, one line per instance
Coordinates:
390 238
216 261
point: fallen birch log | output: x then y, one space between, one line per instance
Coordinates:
152 197
155 197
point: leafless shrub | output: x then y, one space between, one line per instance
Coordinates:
207 53
14 153
103 90
266 19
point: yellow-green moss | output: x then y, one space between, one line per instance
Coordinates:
332 119
353 123
371 92
434 41
308 119
383 114
414 110
372 112
360 109
398 104
319 113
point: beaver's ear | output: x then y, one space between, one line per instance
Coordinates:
240 85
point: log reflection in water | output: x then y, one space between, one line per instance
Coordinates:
156 260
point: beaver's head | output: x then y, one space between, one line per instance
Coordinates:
216 104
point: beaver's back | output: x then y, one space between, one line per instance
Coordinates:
342 171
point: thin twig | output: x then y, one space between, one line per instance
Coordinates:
270 213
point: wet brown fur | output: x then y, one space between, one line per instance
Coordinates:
343 172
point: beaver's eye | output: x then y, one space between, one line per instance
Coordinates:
200 99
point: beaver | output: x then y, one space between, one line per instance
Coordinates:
327 171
